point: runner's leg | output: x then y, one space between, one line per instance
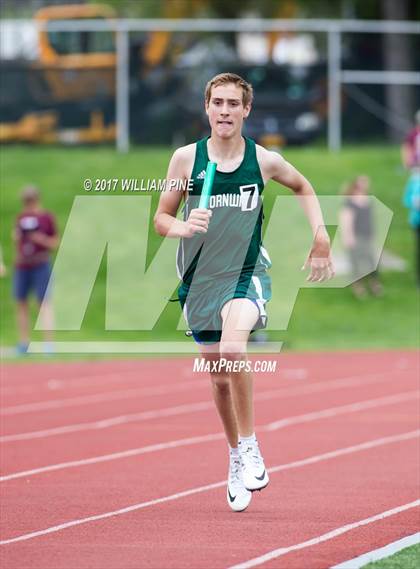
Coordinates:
221 387
239 317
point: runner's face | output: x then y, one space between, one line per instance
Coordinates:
226 111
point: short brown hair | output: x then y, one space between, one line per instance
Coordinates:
224 79
350 188
30 194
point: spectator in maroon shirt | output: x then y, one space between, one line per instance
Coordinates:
35 236
410 150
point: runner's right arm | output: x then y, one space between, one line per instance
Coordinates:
165 221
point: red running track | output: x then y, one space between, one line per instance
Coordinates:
128 472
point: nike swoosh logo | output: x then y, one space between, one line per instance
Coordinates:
231 498
261 477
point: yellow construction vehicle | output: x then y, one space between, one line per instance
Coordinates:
72 67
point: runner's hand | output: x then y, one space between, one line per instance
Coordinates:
197 222
319 260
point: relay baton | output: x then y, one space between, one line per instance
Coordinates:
208 184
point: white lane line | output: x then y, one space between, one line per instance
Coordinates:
115 456
55 384
193 408
294 420
110 422
294 390
276 553
73 381
299 389
119 395
76 382
102 397
380 553
92 380
349 408
286 374
362 446
101 380
291 465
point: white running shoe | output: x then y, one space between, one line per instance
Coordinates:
254 473
238 497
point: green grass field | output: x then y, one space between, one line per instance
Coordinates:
408 558
322 319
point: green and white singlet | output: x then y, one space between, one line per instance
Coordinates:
229 261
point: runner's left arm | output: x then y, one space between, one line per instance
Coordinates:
319 260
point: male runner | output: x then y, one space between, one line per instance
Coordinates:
223 264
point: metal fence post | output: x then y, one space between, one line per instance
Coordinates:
122 100
334 83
